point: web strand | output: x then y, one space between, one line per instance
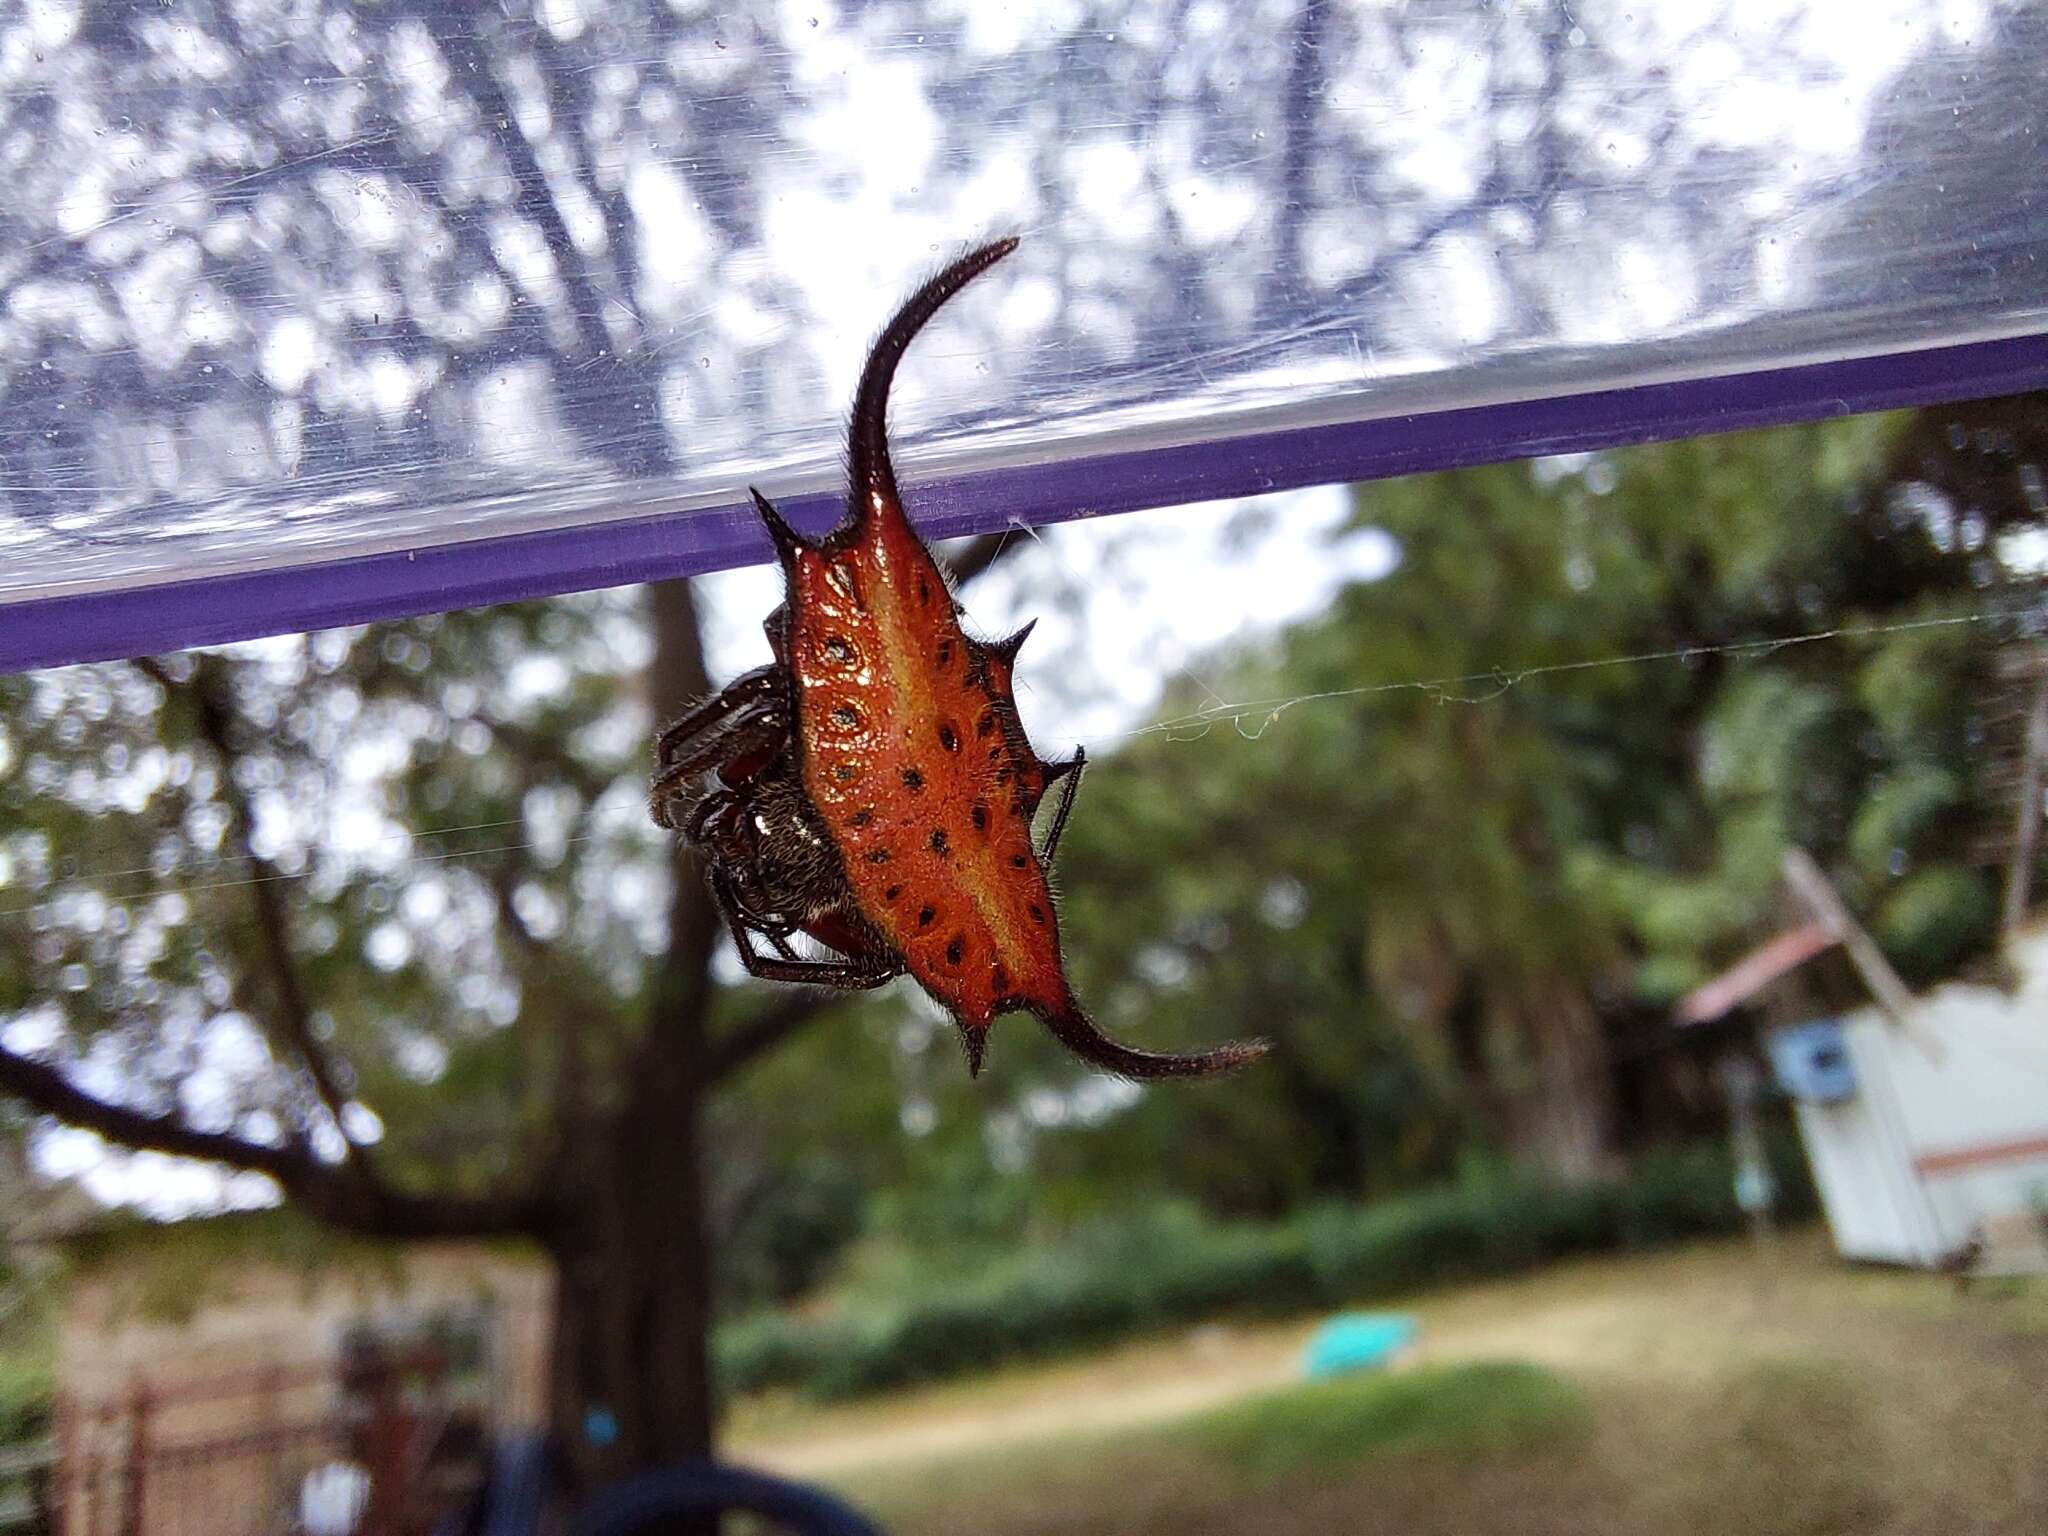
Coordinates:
1053 553
1251 719
1497 681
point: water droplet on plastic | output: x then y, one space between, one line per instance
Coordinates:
703 362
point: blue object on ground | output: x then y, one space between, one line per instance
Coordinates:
1357 1341
1811 1062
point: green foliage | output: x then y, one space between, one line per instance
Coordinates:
788 1229
1170 1267
28 1369
1935 917
1485 1408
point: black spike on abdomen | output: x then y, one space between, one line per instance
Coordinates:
868 448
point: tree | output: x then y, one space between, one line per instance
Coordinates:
1465 863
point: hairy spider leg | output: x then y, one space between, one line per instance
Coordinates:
849 975
740 744
763 683
1070 770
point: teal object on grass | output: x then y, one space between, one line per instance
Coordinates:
1357 1341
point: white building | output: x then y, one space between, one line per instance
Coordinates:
1929 1145
1942 1139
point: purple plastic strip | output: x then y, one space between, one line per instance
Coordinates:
209 610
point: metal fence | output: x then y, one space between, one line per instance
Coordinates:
231 1455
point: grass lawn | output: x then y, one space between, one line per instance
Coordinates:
1714 1389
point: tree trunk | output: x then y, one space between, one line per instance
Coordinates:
1560 1108
631 1371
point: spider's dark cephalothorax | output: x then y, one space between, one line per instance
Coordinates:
872 787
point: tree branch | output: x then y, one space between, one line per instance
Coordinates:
347 1202
471 64
43 1087
791 1011
294 1014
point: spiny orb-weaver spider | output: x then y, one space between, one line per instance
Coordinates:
872 788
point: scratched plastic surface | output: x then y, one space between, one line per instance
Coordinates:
310 314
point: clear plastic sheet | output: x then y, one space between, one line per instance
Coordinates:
311 314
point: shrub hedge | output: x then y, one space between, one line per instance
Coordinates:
1172 1268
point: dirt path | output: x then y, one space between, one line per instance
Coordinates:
1599 1316
1655 1321
1157 1380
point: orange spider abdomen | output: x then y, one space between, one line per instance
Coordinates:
914 760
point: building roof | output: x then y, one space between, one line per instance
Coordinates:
1752 973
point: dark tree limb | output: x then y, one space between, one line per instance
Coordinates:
292 1018
351 1195
793 1008
471 63
43 1087
324 1190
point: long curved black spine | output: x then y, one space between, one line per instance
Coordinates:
868 446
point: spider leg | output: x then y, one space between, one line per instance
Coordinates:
696 827
749 688
847 975
757 730
1071 772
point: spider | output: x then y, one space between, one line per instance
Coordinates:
872 787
